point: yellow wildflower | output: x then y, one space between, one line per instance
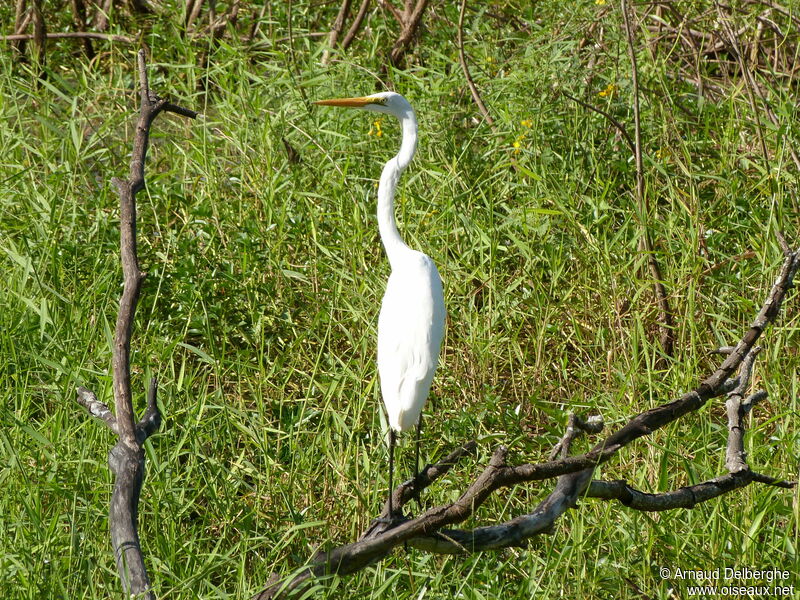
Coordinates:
518 143
600 2
609 91
526 123
375 129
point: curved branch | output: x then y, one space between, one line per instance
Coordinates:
685 497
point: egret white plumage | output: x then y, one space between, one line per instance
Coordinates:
412 317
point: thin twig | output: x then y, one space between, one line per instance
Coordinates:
462 59
620 127
90 35
645 243
752 90
734 45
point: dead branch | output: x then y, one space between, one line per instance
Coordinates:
258 16
355 26
126 459
336 30
737 51
21 19
191 12
409 19
427 531
752 90
71 35
737 407
79 19
685 497
702 45
101 14
462 59
39 34
645 243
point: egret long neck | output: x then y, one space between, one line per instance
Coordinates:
394 244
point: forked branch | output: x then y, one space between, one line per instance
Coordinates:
409 20
126 459
429 531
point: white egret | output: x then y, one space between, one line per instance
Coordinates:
411 321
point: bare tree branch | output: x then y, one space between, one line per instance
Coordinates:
39 34
752 90
336 30
735 457
90 35
21 19
409 21
101 14
355 26
575 427
685 497
126 459
89 401
79 18
192 12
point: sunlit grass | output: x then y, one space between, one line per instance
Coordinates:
265 278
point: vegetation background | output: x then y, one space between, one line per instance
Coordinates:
257 230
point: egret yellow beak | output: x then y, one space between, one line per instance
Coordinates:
351 102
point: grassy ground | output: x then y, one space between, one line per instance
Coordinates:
265 278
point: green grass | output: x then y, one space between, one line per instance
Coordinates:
265 278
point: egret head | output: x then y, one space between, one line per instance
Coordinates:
390 103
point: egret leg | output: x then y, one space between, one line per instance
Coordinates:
392 440
416 461
416 451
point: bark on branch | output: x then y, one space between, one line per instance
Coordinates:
429 531
126 458
409 20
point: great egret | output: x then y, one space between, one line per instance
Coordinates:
411 321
